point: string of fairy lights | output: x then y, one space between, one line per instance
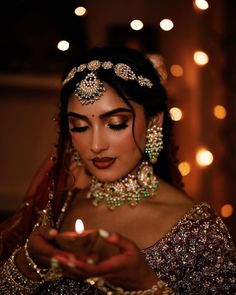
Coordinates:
203 156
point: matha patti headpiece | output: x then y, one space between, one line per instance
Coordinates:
91 88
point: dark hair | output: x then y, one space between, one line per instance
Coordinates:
154 99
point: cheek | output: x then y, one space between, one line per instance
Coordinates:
78 144
131 143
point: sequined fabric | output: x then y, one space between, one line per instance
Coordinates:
197 257
70 287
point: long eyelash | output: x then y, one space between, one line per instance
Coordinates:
79 129
118 127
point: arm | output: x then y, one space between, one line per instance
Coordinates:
21 274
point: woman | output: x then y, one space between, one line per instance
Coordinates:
114 168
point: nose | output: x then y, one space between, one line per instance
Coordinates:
99 142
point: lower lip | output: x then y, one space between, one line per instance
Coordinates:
103 165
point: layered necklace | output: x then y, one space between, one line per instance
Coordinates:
130 189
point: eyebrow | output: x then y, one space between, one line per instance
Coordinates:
102 116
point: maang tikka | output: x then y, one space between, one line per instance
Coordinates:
154 143
91 87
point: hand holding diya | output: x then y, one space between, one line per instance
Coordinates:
85 243
81 242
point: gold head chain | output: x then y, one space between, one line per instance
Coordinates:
91 88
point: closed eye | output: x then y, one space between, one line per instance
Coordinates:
79 129
118 127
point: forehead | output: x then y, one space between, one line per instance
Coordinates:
108 101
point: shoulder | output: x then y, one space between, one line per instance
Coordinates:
201 226
172 202
171 195
183 214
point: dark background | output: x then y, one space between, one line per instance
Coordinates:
31 67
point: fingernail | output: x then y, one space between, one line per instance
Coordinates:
54 262
90 261
103 233
70 264
53 232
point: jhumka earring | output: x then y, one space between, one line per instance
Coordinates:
77 158
154 143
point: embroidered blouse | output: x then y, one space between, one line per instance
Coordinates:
196 257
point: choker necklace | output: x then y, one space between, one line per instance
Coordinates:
130 189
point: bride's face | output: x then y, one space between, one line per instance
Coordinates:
102 134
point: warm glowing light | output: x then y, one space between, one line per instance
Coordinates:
63 45
201 4
200 58
176 70
136 24
204 157
176 114
166 24
226 210
79 226
184 168
80 11
220 112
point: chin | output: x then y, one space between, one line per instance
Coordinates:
110 174
107 176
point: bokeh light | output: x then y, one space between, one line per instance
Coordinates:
176 114
204 157
63 45
136 24
200 58
201 4
184 168
219 112
176 70
80 11
166 24
226 210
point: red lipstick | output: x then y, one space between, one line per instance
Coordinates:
103 163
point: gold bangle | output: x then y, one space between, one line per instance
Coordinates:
54 273
40 271
47 274
13 282
161 287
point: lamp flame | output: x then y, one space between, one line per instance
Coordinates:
79 226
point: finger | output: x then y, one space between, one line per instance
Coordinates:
110 265
68 266
128 251
48 233
41 250
51 234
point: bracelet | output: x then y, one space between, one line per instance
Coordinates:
40 271
13 282
51 274
110 289
54 273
